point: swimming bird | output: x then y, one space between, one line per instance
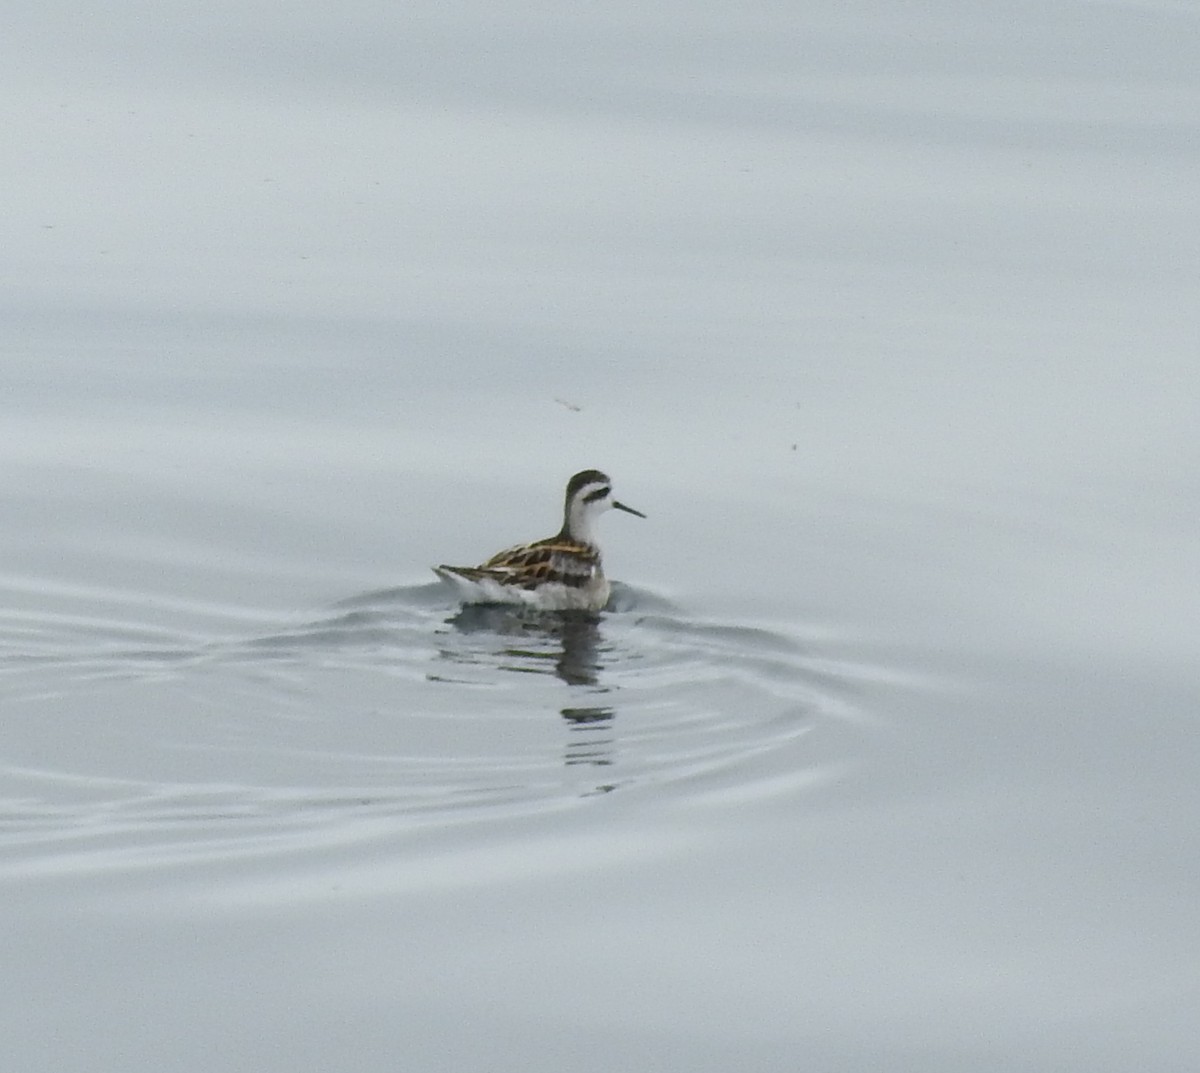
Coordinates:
560 573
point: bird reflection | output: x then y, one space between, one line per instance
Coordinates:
569 640
591 739
570 643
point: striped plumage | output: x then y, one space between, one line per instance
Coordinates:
562 572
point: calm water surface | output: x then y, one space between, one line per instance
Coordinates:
885 753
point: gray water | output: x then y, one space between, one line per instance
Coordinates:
884 755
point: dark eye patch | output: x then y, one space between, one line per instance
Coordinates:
599 493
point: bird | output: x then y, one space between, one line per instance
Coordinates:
560 573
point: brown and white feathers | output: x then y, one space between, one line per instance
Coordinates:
562 572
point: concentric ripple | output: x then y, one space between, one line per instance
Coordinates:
121 734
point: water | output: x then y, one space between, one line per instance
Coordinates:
390 705
885 753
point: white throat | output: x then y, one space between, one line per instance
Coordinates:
582 515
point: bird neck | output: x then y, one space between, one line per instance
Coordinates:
579 523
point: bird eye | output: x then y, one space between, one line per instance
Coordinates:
599 493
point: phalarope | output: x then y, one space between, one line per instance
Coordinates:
560 573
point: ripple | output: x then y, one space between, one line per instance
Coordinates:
392 704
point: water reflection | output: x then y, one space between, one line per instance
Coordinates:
591 739
565 643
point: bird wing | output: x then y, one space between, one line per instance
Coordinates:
530 565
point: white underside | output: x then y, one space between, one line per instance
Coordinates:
552 596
